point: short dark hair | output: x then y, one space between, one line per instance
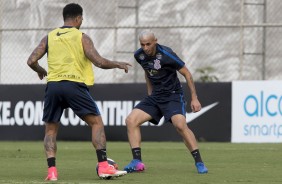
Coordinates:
72 10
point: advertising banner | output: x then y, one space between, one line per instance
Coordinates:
21 108
257 111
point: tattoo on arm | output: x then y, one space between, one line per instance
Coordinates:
92 54
37 54
90 51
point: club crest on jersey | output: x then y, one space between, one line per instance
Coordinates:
159 56
141 56
157 64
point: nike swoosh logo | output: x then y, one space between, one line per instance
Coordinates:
191 115
59 34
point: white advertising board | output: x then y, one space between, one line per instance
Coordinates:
256 112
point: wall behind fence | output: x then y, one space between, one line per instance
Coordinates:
239 39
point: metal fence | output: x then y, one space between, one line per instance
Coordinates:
218 39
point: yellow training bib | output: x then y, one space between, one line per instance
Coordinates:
66 58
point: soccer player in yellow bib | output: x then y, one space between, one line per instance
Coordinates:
71 54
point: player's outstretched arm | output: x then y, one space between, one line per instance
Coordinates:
195 104
37 54
93 55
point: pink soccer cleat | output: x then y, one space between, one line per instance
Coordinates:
52 174
107 171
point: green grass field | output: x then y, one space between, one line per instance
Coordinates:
166 162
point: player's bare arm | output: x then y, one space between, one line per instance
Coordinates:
149 85
93 55
195 104
37 54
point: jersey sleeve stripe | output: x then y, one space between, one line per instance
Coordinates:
180 62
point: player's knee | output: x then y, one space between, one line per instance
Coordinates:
179 128
51 128
129 121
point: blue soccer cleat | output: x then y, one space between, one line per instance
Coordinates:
201 168
135 166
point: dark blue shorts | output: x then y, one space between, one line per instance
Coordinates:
67 94
167 106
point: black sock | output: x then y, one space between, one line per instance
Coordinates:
51 162
136 152
101 155
196 155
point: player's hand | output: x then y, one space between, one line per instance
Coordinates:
195 105
124 65
42 74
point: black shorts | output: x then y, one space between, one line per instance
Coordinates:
67 94
167 106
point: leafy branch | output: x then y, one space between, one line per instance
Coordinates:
205 74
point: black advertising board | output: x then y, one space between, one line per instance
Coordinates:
21 111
